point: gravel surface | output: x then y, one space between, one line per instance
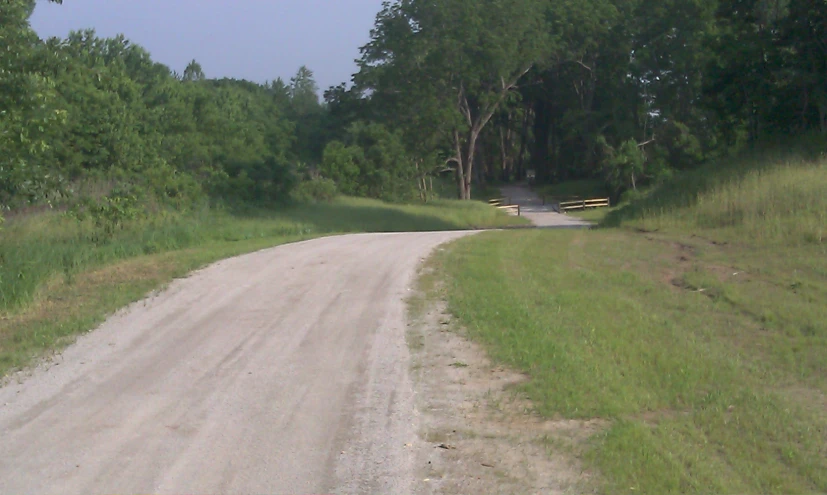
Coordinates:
283 371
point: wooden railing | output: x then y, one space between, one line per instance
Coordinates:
583 204
505 205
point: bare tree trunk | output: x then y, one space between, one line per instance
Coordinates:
460 170
420 181
465 169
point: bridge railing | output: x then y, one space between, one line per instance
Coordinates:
504 204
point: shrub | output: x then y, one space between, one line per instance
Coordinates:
315 190
110 213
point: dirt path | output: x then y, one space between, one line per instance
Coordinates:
284 371
539 214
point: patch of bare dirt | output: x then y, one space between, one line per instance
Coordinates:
479 436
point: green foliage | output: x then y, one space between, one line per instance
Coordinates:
317 189
440 70
304 108
110 213
26 114
372 163
341 164
624 166
83 108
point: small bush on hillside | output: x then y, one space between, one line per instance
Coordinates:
112 212
269 181
171 187
373 163
315 190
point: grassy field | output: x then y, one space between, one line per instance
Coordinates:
696 328
58 278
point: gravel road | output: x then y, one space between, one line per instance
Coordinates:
283 371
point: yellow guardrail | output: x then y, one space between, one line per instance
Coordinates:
583 204
499 202
505 205
511 209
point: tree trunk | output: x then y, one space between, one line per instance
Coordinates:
477 119
460 177
469 163
465 165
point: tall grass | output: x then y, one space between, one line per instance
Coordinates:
761 199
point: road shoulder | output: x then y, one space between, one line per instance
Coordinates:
478 433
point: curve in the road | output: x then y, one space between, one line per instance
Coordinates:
283 371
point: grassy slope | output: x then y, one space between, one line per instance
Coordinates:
703 344
55 282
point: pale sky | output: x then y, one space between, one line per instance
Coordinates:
258 40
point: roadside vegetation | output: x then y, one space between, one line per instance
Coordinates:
118 173
59 277
694 323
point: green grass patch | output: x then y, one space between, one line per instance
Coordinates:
59 277
707 360
697 330
595 215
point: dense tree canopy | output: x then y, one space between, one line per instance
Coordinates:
626 91
82 114
623 90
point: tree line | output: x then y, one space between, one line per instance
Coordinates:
96 119
625 91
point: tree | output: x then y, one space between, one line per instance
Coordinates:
26 109
304 92
307 113
804 35
371 162
454 63
193 72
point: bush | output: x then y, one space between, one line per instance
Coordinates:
372 163
111 212
315 190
